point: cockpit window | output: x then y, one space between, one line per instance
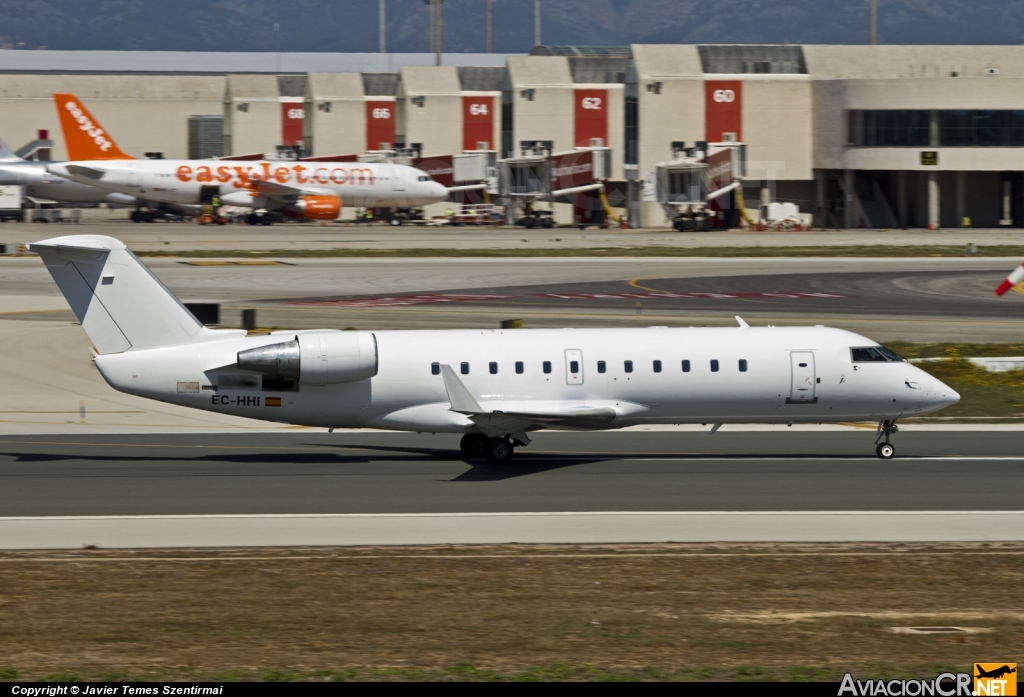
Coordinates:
423 178
874 354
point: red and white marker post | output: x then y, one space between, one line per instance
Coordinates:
1015 277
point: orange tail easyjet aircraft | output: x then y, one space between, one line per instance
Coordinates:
84 138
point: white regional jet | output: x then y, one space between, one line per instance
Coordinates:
494 386
311 189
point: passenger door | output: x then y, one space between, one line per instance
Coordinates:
803 378
573 367
397 182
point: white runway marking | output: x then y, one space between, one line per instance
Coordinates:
497 528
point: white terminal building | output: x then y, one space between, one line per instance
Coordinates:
857 136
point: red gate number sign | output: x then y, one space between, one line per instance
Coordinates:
477 122
591 117
380 124
723 109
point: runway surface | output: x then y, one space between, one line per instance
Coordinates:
400 489
366 472
911 299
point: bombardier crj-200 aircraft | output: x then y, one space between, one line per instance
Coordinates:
310 188
494 386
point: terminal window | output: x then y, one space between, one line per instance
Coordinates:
936 128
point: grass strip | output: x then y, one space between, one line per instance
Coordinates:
647 251
338 614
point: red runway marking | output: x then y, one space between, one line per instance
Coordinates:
430 298
404 300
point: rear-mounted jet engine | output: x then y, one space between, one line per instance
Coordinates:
316 358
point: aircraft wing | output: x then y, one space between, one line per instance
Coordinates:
516 417
275 190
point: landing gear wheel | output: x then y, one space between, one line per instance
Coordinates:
148 217
499 450
136 217
529 223
252 219
266 219
547 222
885 451
473 445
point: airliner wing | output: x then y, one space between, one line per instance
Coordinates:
463 402
277 190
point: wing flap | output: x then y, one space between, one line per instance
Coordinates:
464 402
277 190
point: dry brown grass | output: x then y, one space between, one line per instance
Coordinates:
651 612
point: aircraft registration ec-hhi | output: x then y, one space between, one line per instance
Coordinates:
304 189
493 386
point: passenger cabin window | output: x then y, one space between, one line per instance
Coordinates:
574 366
628 365
714 365
602 366
465 368
686 366
743 365
493 366
874 354
547 366
657 366
519 367
435 368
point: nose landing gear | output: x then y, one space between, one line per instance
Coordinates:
885 430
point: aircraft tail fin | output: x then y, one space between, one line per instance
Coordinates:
122 306
8 155
84 138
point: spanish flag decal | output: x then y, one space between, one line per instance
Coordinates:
272 402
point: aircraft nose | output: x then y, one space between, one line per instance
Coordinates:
439 190
946 395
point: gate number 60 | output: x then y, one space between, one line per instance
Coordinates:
723 96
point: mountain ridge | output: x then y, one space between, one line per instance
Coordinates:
352 26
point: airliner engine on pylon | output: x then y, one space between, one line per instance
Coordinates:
298 189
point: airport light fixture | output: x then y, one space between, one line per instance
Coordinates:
435 28
324 107
527 94
419 101
654 87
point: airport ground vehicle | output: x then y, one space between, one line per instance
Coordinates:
11 204
312 190
493 386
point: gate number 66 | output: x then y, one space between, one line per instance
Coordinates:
723 96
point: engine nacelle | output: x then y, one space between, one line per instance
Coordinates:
316 358
315 208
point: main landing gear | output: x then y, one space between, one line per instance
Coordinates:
885 429
259 219
477 445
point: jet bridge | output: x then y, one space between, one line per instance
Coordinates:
695 187
530 185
